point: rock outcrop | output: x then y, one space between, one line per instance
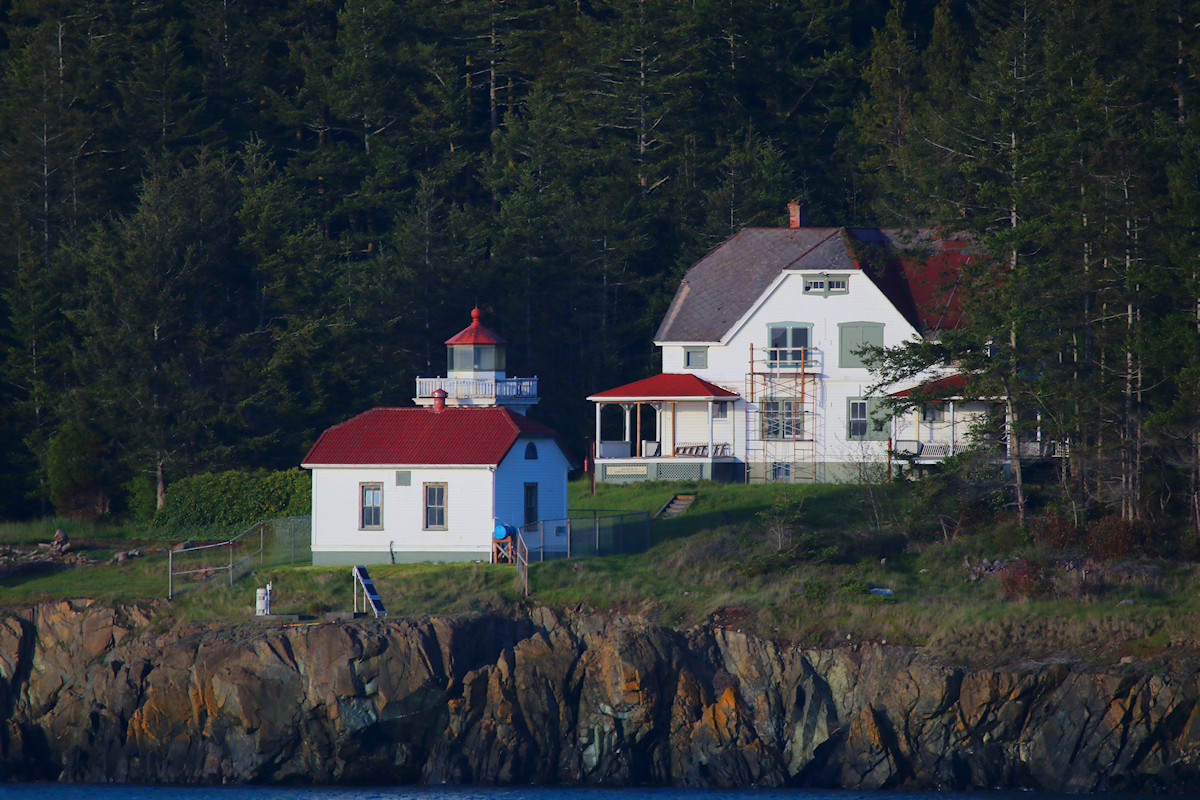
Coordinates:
90 693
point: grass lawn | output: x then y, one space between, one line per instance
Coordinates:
843 573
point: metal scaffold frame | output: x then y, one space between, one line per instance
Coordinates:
797 385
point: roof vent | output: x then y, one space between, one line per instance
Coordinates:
439 400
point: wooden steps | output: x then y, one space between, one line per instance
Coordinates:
675 506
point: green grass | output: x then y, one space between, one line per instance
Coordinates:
716 563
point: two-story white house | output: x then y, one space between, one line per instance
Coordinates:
763 378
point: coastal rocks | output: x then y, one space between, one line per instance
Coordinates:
90 693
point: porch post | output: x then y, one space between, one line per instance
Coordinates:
953 430
673 423
638 450
628 439
598 448
710 428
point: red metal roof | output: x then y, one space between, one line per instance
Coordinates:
475 333
949 386
919 271
667 386
422 436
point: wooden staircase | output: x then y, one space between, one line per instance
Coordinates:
675 506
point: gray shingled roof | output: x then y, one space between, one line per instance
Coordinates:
722 286
918 272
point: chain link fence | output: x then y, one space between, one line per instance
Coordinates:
269 543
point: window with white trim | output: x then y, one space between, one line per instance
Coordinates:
788 344
864 422
435 507
782 418
826 284
370 508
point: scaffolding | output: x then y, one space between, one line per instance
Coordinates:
782 419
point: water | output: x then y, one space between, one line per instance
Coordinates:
69 791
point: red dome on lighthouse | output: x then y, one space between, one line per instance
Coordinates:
475 333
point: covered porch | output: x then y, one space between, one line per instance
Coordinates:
667 427
943 425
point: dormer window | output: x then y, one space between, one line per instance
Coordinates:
695 357
826 284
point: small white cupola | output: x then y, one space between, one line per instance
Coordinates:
475 373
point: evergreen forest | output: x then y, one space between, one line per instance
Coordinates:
229 224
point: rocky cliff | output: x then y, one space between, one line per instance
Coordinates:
90 693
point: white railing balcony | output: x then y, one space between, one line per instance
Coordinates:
514 388
805 359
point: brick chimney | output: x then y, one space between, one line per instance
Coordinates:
439 400
797 214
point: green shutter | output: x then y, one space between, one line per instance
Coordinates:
852 336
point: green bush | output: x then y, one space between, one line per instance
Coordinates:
75 471
233 499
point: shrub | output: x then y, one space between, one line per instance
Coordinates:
815 591
1024 579
1112 538
75 471
233 499
1054 530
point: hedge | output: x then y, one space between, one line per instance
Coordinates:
235 499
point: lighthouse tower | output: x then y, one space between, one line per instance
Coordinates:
475 373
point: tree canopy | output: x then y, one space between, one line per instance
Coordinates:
229 224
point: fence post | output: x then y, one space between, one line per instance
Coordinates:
170 574
231 562
261 526
596 531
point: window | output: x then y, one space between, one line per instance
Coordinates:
823 284
865 424
695 357
435 507
781 471
371 506
477 358
531 452
720 410
852 337
782 419
788 343
933 412
531 503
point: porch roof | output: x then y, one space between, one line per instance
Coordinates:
941 388
665 386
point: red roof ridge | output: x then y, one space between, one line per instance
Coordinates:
666 385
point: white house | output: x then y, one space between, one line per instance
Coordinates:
432 482
762 376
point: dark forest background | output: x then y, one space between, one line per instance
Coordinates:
228 224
